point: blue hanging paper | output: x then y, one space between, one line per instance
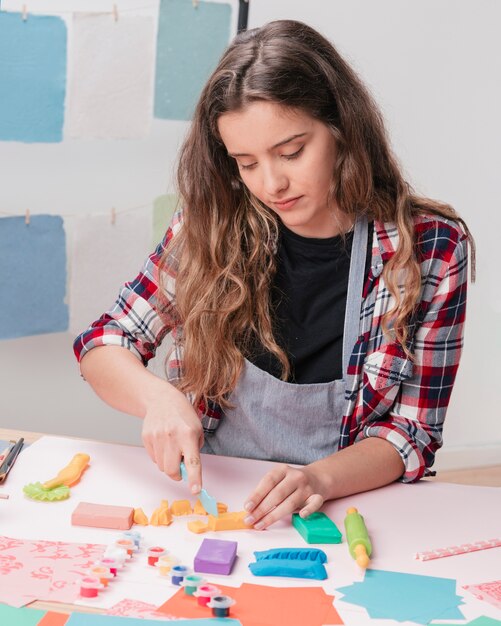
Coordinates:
32 77
189 44
32 276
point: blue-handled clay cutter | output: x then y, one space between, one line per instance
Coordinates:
208 502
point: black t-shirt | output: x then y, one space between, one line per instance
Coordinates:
308 297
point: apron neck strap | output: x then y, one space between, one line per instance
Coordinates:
355 289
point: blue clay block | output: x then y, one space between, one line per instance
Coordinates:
297 554
289 569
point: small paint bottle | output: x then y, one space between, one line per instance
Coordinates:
89 586
110 563
220 605
178 572
205 592
126 544
154 554
102 573
191 583
165 563
119 554
134 535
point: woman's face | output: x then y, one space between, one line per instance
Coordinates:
286 159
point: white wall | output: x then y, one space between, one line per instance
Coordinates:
434 67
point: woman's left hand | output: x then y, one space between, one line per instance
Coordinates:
282 491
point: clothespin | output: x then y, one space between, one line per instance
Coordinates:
25 13
113 216
27 217
115 12
195 3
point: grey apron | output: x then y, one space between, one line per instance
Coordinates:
280 421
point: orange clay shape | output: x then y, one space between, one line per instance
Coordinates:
198 509
225 521
228 521
140 517
70 474
198 527
181 507
161 516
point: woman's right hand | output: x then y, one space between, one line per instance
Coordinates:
172 432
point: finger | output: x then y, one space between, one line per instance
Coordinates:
172 459
193 469
312 504
180 442
149 448
265 485
159 451
281 492
285 508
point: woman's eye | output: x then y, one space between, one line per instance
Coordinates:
246 167
294 155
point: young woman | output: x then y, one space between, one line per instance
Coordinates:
316 303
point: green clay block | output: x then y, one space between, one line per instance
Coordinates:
356 533
317 528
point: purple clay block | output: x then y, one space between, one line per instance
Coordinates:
215 556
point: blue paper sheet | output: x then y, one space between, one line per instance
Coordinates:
405 597
32 276
189 44
94 619
33 77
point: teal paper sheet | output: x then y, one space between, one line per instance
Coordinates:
405 597
33 77
11 616
189 44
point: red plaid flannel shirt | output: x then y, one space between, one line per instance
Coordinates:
388 394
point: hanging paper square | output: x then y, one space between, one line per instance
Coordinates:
111 92
189 44
33 77
33 276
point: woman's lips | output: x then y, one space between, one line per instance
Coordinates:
287 204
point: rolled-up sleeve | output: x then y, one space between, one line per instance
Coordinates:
415 422
142 314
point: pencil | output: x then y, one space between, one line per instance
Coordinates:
11 459
5 452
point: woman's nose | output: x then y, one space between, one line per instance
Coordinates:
275 181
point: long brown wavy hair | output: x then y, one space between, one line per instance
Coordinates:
226 246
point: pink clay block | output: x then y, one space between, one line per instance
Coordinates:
103 516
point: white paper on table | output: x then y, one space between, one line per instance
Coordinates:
401 519
111 77
103 257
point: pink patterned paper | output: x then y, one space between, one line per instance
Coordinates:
490 592
43 570
138 609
